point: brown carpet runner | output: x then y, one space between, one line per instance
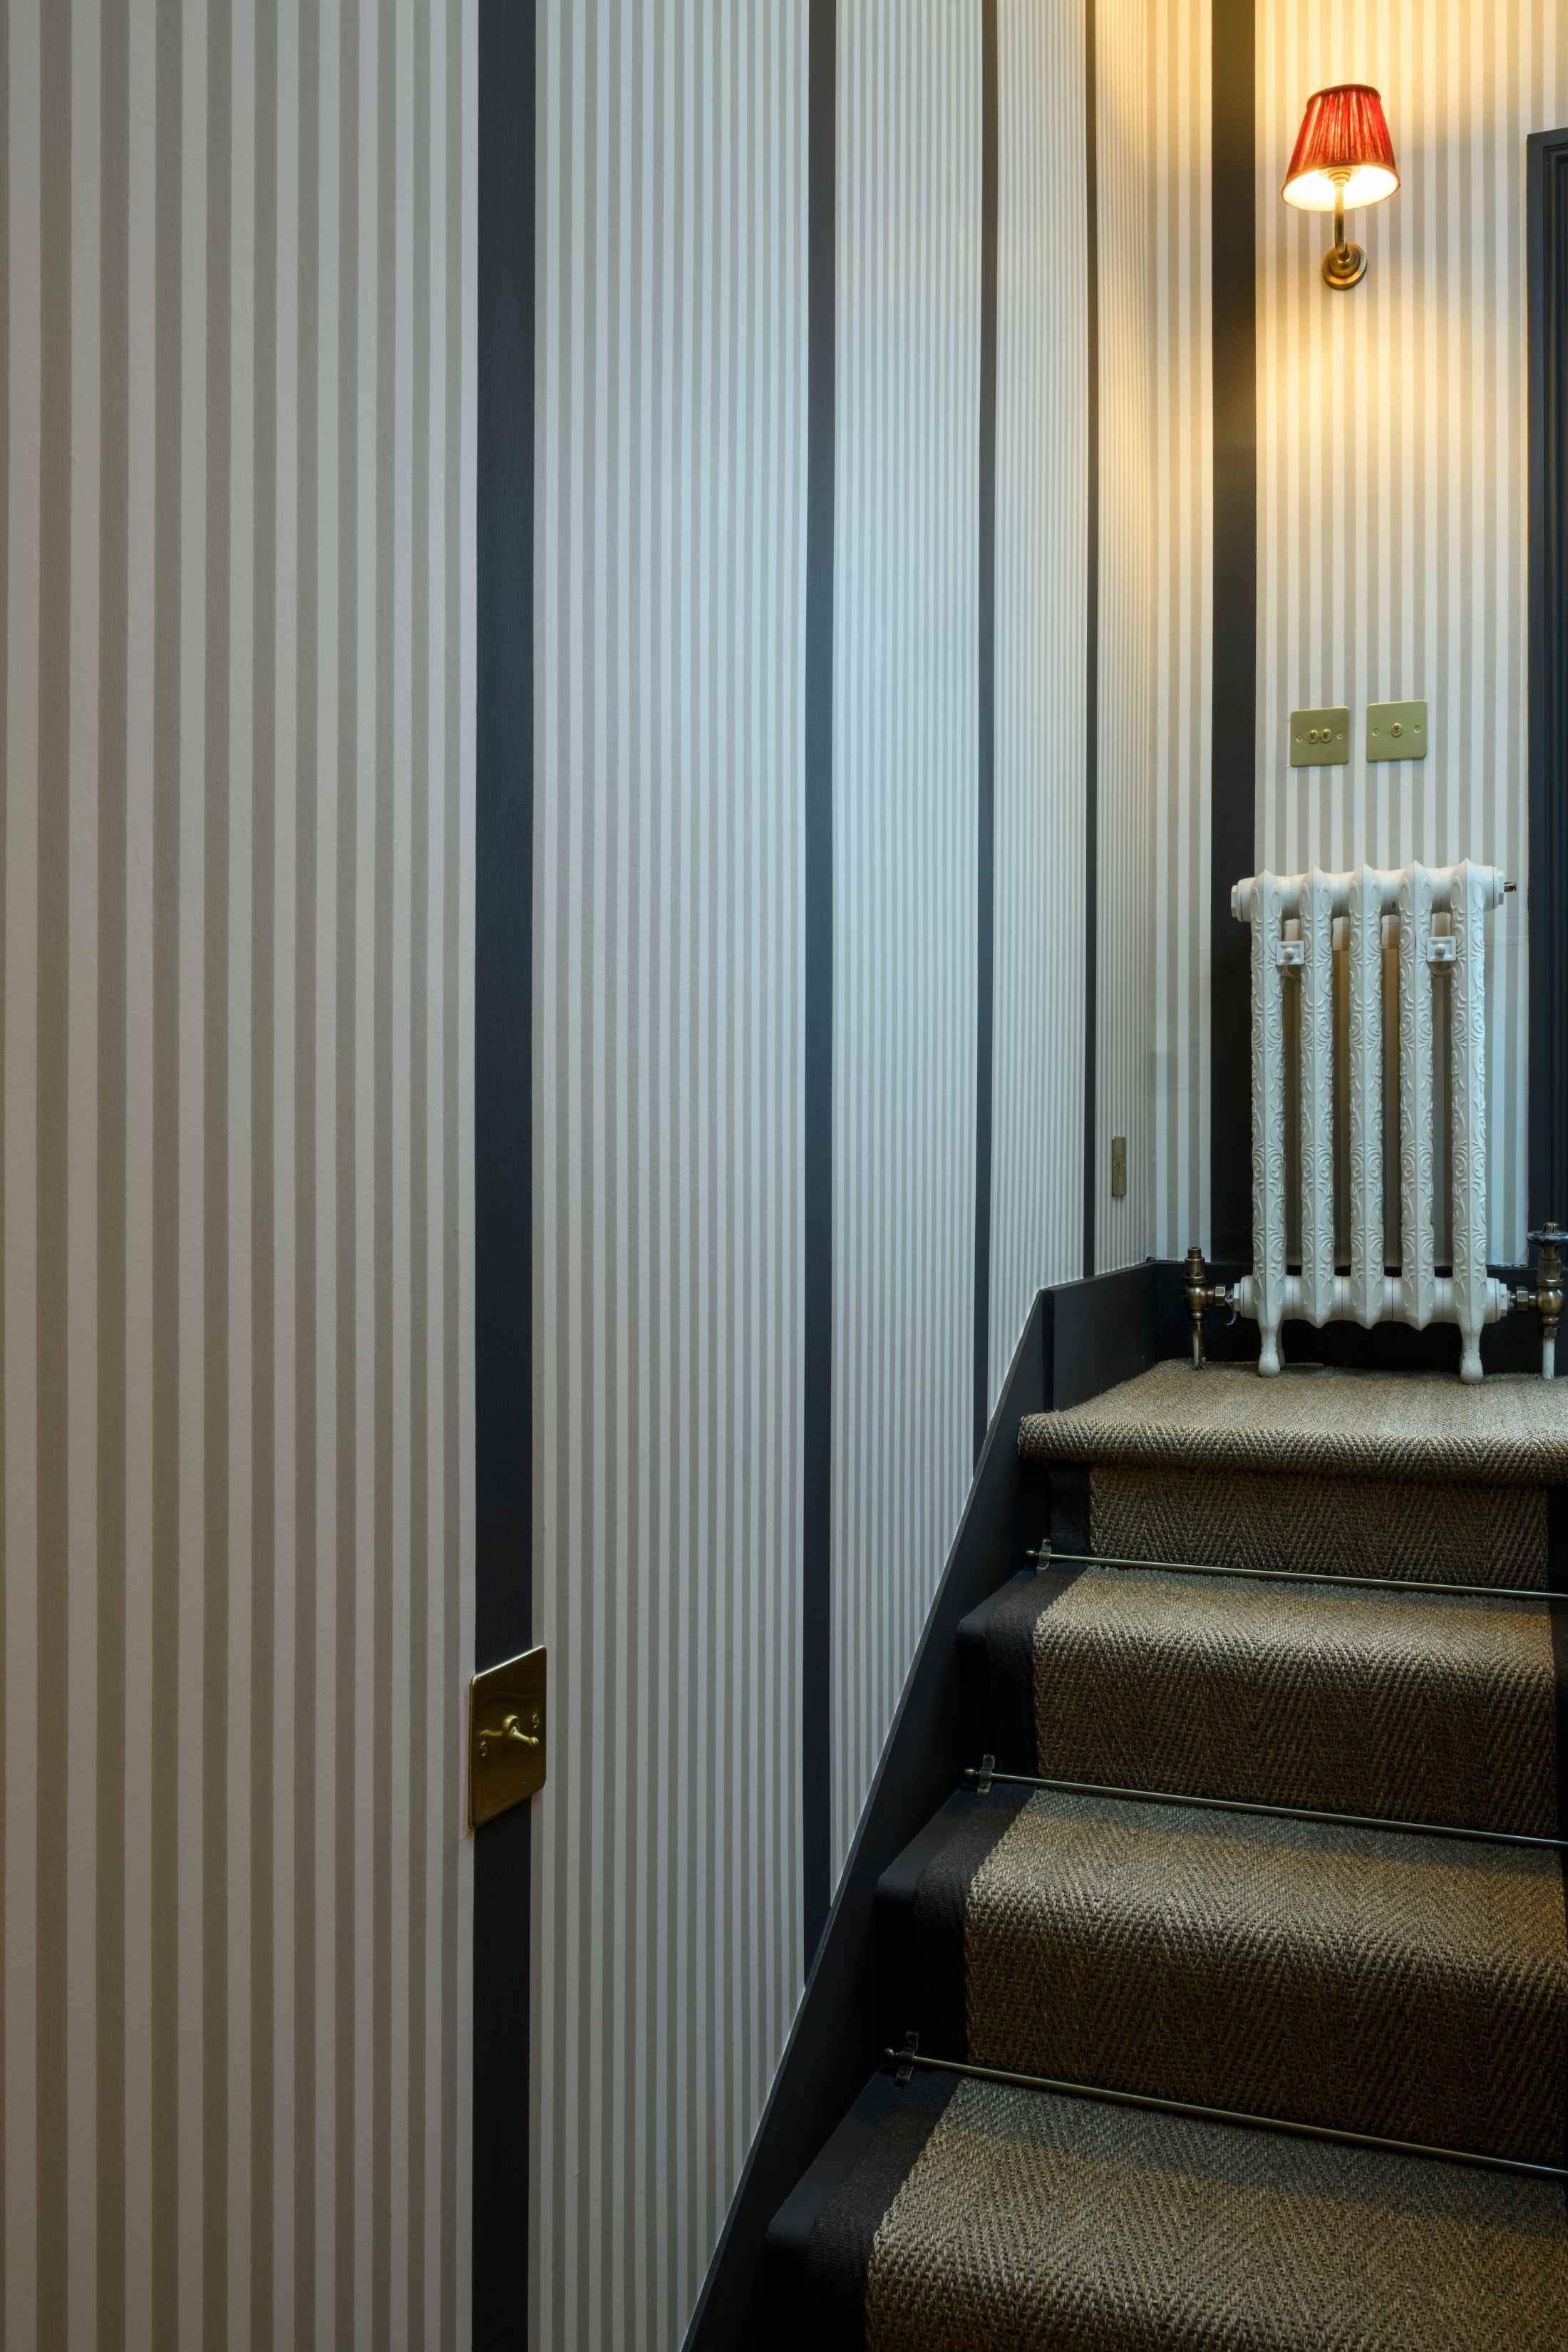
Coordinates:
1423 1428
1415 1988
979 2215
1405 1705
1358 1978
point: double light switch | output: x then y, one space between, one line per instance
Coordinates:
1321 738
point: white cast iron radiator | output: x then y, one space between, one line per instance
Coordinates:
1418 1293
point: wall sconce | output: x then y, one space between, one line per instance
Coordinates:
1343 157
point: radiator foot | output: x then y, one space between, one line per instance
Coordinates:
1471 1370
1268 1352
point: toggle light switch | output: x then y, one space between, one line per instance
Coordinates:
1321 739
1396 730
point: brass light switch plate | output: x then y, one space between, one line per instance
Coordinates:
1321 739
1396 730
507 1726
1118 1168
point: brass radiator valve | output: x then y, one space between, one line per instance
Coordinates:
1547 1297
1201 1292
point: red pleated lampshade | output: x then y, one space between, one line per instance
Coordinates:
1343 132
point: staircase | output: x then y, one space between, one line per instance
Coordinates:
1228 1999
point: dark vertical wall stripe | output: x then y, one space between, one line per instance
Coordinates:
423 1552
1091 648
985 912
310 785
264 1517
1231 819
215 1192
503 1151
52 1401
165 1338
114 138
383 725
817 1435
351 1762
1547 265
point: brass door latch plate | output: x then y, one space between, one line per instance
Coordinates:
507 1727
1321 739
1118 1168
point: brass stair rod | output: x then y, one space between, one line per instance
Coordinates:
909 2057
1048 1556
985 1775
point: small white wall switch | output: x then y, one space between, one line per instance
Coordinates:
1396 730
1321 739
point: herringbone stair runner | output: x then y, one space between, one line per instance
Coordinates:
1267 1871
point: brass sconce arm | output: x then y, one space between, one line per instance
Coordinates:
1344 265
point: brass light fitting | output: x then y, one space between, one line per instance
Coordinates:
1343 158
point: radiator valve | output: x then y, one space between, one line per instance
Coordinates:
1201 1292
1547 1297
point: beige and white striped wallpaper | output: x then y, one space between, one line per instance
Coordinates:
1179 339
237 646
1127 787
668 1097
669 969
1391 515
1041 656
906 699
237 649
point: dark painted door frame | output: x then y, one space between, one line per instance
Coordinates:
503 1168
1546 203
1233 783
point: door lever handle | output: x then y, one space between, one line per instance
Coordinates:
507 1734
512 1733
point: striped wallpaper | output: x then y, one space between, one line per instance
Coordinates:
1042 617
237 686
1127 792
1391 517
670 955
905 716
1178 332
668 1077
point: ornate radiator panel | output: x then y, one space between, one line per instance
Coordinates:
1364 913
1292 919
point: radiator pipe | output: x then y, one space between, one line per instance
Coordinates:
1201 1292
1547 1297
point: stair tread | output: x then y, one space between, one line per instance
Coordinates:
1409 1705
1406 1426
961 2213
1412 1986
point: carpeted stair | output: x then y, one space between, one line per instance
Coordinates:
1304 1869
